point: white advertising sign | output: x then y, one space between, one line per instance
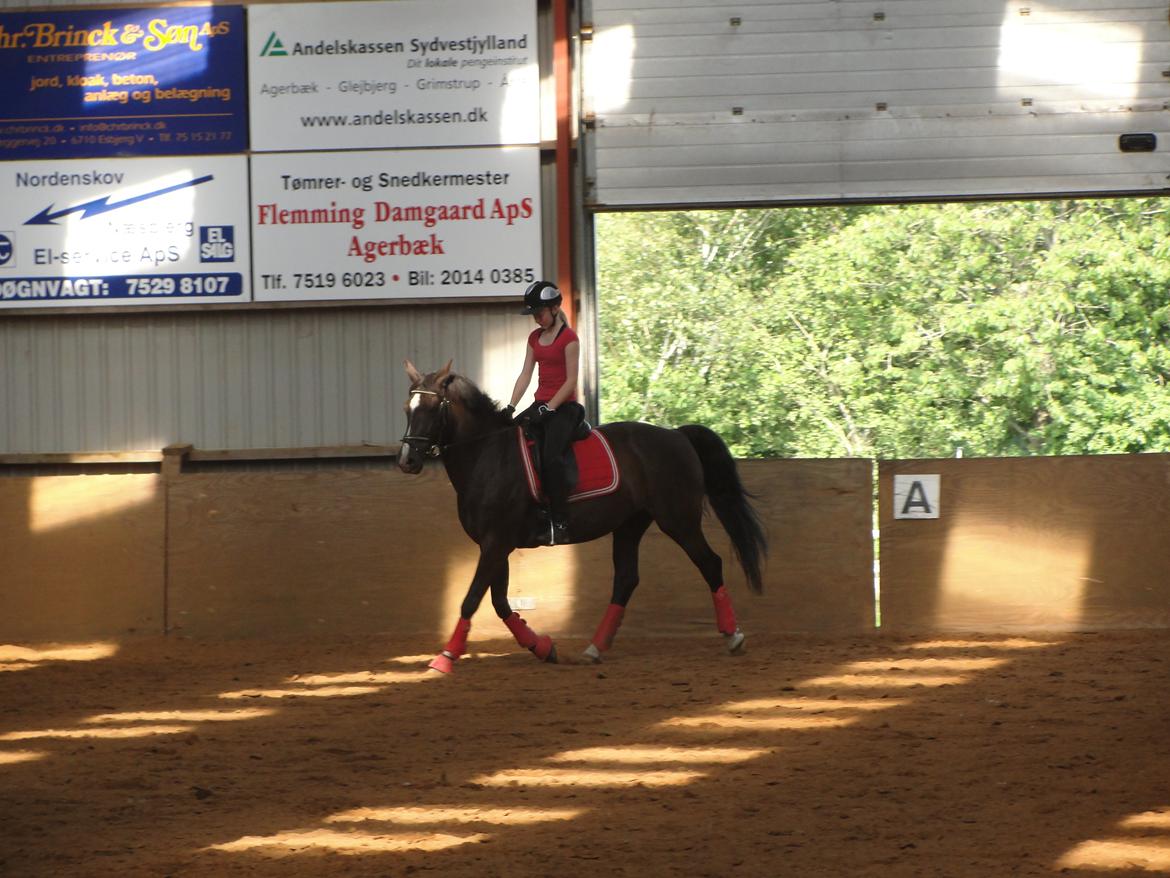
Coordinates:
124 231
395 223
402 73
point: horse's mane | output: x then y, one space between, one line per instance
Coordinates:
478 404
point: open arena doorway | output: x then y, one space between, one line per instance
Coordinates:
1003 331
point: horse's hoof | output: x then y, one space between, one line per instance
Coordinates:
442 663
735 642
592 654
545 650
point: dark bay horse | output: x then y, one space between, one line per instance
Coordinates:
665 475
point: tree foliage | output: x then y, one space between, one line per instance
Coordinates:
910 331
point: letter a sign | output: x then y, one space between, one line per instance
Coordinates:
916 496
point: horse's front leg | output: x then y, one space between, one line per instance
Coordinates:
541 645
492 568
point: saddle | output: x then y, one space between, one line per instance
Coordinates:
590 467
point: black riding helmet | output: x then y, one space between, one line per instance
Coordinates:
541 294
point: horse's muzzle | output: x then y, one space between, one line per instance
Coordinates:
409 460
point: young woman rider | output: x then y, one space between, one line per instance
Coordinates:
554 352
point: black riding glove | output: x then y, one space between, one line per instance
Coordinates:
544 414
510 411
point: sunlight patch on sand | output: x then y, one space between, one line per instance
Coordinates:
12 757
190 716
756 722
379 677
927 664
1006 643
1140 855
559 777
415 815
1148 820
321 692
425 659
349 842
816 705
18 666
895 679
78 652
129 732
1146 850
644 754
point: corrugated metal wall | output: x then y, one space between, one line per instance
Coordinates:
251 379
718 101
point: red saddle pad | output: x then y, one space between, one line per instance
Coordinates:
596 467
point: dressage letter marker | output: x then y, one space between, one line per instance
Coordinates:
916 496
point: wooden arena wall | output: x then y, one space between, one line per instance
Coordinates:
363 551
1054 543
1021 543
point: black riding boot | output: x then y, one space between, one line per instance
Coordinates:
559 524
558 432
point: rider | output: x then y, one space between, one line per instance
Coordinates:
554 348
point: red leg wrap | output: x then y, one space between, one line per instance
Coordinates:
444 662
524 635
610 622
457 645
543 647
724 614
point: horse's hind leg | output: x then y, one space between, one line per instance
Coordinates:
689 535
625 579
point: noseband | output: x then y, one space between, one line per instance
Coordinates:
426 445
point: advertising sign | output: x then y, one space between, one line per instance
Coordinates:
405 73
124 231
395 224
159 81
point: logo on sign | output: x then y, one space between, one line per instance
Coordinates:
7 250
274 48
217 243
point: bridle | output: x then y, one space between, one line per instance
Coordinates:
426 445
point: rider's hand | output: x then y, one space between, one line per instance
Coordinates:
544 414
510 411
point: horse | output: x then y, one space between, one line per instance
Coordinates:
665 474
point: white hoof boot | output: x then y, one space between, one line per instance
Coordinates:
735 642
593 654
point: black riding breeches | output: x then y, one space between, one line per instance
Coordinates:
558 433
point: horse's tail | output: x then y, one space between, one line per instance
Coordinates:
730 501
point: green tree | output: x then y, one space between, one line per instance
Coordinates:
1001 329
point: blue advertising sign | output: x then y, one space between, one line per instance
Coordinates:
120 82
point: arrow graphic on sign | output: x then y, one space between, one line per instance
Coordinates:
102 205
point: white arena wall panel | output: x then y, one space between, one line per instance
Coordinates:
719 102
294 378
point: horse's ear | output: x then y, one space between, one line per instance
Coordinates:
411 372
442 373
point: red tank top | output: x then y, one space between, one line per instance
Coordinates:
551 370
